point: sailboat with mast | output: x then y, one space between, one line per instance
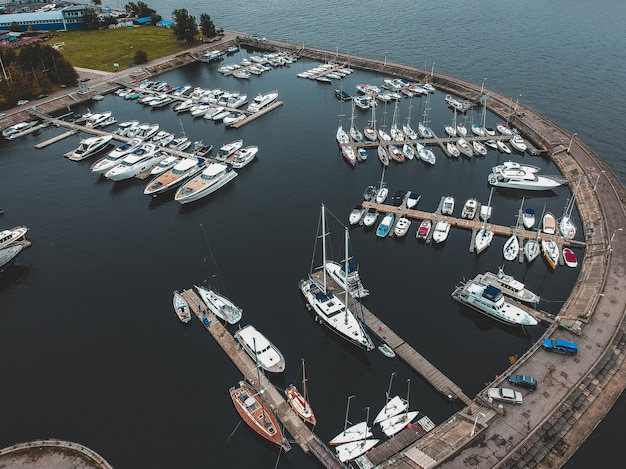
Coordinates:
393 405
217 303
299 402
532 247
511 247
394 424
423 128
351 450
451 129
355 133
370 131
329 309
396 133
256 412
352 433
406 128
485 234
383 190
566 225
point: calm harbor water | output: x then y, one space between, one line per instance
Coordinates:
93 352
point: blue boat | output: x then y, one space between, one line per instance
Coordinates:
385 225
342 95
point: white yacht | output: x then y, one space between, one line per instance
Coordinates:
136 162
172 178
489 300
114 156
219 305
8 237
15 130
262 100
228 149
165 164
448 205
213 177
520 177
508 285
469 209
261 350
89 146
517 142
441 231
146 131
243 156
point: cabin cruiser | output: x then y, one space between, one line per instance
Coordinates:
262 100
213 177
508 285
115 156
89 146
136 162
8 237
489 300
515 176
183 170
261 350
350 280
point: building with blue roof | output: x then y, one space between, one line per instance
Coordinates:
70 17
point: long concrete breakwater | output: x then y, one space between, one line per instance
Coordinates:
575 393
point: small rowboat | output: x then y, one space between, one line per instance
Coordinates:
569 258
181 307
386 350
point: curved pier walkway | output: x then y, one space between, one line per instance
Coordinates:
59 454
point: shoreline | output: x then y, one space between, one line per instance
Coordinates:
584 404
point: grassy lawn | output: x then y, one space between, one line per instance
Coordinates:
101 49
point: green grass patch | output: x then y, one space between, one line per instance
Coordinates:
99 50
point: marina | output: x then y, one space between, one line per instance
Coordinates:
582 302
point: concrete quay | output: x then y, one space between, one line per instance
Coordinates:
574 393
51 454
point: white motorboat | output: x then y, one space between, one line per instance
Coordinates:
175 176
115 156
347 276
549 223
262 100
15 130
412 199
234 118
524 179
447 207
213 177
89 146
369 193
235 101
517 142
328 308
469 209
491 143
508 285
228 149
550 252
261 350
513 167
243 156
165 164
385 225
441 231
219 305
140 160
356 215
370 217
184 106
99 120
402 227
490 301
146 131
11 236
528 218
181 307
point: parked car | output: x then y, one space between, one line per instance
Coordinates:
523 381
505 395
42 95
2 114
21 102
560 346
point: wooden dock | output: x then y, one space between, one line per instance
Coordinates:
295 426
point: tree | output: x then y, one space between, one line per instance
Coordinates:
185 27
90 20
139 9
14 27
141 57
206 26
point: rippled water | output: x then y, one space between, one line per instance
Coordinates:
93 352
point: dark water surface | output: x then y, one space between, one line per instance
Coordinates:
92 349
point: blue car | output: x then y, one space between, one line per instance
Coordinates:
560 346
523 381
